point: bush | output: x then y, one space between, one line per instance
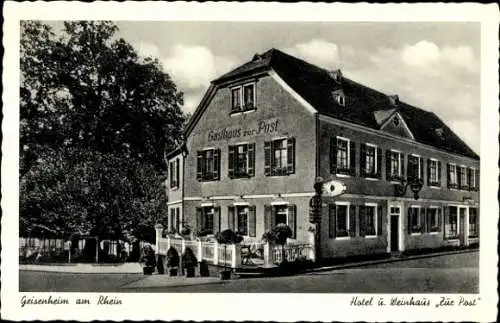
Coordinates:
279 234
189 259
172 258
228 236
148 256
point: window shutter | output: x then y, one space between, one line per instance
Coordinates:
251 221
423 222
171 169
458 170
216 219
231 218
439 218
199 166
428 220
388 165
268 213
429 172
251 159
379 162
478 183
362 220
292 219
446 219
333 155
469 178
421 173
379 220
403 174
410 167
332 214
448 174
290 142
199 220
267 158
362 160
352 220
216 164
230 161
409 220
352 151
177 168
439 172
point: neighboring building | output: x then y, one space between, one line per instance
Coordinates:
264 131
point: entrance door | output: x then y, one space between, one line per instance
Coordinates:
394 233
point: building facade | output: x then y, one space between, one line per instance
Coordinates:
265 131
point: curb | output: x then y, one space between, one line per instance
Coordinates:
388 260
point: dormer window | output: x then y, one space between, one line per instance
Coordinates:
439 132
395 121
243 98
339 97
336 75
394 100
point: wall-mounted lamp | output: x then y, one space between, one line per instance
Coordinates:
414 184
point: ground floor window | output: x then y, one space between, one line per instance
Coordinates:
342 221
414 220
433 219
370 220
242 220
174 223
451 225
206 219
473 222
281 214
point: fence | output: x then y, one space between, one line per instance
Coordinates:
236 255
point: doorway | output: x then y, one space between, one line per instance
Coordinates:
394 229
394 233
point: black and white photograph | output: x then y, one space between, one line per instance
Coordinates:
247 158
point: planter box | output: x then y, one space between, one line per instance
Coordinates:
148 270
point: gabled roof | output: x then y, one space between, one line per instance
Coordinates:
364 106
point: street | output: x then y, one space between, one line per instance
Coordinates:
458 273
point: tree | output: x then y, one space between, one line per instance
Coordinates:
96 121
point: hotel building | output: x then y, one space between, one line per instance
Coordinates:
265 131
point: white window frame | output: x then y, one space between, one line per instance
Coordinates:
375 163
436 162
473 177
348 155
241 89
455 182
246 207
418 207
348 210
238 88
275 211
375 213
420 163
401 161
436 215
463 170
457 206
173 174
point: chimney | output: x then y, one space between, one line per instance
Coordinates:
336 75
394 99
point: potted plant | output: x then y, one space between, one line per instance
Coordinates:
148 258
172 261
279 235
189 262
227 237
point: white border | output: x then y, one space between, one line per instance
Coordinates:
320 307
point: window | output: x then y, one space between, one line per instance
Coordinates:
242 220
395 121
394 165
473 222
342 156
463 182
452 176
279 157
434 172
451 224
241 161
415 167
208 165
174 173
415 219
473 179
281 214
175 221
370 220
433 219
342 221
339 97
207 220
370 161
243 98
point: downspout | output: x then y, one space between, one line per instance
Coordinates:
317 130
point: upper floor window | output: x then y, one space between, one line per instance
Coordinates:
394 165
433 172
415 167
452 176
463 178
342 156
208 165
243 98
279 157
370 160
174 173
473 179
241 161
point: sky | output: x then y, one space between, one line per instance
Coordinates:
433 65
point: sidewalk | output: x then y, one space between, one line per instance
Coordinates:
160 281
126 268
